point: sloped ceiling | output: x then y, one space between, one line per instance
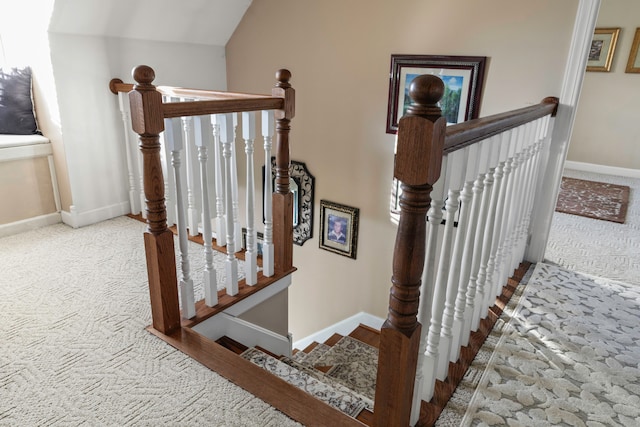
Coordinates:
209 22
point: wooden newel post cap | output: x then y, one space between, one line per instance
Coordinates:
421 134
146 103
283 89
143 74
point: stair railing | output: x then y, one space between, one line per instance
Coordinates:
200 132
480 177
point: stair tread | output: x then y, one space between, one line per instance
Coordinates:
333 339
367 335
339 397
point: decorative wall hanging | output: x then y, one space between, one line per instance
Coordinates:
603 46
302 184
463 77
633 64
339 228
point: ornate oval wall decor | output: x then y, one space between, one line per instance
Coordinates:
302 187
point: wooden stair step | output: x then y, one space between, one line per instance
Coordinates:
367 335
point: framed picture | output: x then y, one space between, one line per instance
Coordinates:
339 228
463 77
603 45
301 184
633 64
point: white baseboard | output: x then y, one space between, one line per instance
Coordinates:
344 327
80 219
606 170
29 224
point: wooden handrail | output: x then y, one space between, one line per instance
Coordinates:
466 133
200 108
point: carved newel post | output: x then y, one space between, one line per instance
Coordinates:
148 121
418 161
282 197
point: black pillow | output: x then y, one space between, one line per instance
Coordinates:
16 108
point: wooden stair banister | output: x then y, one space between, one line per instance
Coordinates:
417 166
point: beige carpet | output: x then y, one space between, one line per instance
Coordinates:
73 308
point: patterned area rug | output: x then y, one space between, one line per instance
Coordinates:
592 199
568 355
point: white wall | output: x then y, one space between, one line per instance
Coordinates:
91 126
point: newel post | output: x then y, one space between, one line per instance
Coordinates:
417 166
282 197
148 121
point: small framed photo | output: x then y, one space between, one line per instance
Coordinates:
603 46
339 228
463 77
259 241
633 64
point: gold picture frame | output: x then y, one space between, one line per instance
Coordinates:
603 46
633 64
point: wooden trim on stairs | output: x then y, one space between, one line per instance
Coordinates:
292 401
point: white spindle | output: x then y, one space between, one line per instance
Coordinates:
498 233
250 259
457 165
169 181
235 199
191 167
225 121
202 135
173 139
466 229
476 246
221 233
427 356
484 287
131 153
268 130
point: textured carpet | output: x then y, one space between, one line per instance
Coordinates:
591 199
73 307
568 355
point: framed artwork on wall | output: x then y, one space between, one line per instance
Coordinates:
633 64
339 228
603 46
463 77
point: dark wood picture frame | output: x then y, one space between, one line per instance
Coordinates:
463 74
339 228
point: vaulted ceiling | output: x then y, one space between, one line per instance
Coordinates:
210 22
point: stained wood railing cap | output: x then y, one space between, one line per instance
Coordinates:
283 76
143 74
425 91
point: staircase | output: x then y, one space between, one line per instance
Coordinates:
341 371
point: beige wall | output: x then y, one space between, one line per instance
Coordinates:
339 54
26 189
606 129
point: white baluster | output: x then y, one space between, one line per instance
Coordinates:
169 181
483 194
427 360
237 229
466 229
225 121
485 287
268 129
130 150
173 138
498 235
221 233
457 166
251 256
202 135
191 164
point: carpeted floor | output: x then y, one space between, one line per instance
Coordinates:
73 307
